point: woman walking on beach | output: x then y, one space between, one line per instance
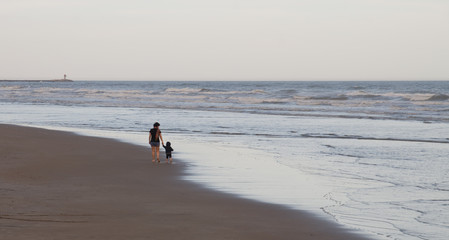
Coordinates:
155 135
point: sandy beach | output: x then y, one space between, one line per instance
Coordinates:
58 185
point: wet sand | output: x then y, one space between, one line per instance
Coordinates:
58 185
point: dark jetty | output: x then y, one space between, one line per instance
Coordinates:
55 80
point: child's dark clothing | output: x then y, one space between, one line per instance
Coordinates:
168 150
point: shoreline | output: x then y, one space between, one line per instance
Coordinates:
61 185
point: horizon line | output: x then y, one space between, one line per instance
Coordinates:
223 80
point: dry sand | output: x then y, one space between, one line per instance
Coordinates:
57 185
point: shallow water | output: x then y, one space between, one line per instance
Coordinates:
347 150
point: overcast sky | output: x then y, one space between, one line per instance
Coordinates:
225 40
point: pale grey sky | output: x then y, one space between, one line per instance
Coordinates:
225 40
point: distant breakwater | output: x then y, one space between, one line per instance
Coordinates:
55 80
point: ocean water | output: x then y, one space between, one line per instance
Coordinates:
373 156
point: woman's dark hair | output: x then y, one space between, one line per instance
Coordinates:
156 124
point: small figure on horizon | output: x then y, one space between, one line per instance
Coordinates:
168 150
65 76
155 136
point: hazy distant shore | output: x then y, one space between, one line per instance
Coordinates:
54 80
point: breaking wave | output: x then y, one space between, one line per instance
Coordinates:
438 97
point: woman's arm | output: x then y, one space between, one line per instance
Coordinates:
160 136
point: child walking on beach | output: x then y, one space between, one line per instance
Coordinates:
168 150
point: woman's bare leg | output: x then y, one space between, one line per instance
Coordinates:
153 153
157 154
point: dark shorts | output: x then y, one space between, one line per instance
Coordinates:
168 155
155 144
